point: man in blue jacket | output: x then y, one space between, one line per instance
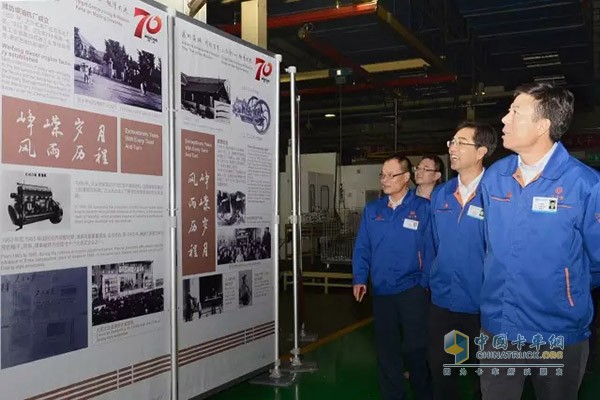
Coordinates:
392 247
593 241
542 243
594 325
456 273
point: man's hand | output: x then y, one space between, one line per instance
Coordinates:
359 292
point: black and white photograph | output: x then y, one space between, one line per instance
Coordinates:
245 288
206 97
243 244
123 291
202 297
44 314
35 201
106 69
231 208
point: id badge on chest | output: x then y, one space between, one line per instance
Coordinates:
475 212
411 224
544 204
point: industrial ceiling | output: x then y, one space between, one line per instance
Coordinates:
400 74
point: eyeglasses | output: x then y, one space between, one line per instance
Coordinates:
390 176
423 169
458 143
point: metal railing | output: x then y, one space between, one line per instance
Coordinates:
339 234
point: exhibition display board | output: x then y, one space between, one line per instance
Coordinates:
86 104
226 93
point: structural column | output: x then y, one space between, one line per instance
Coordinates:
254 22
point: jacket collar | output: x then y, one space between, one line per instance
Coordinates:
557 164
408 198
451 186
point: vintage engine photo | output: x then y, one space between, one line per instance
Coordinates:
33 203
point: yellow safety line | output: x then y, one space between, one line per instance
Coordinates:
332 337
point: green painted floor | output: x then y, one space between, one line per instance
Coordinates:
347 370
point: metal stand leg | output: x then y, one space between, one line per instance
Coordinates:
296 365
276 376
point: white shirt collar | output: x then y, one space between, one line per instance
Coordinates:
395 204
467 190
531 171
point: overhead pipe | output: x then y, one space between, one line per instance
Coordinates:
359 87
382 107
301 18
388 66
511 9
411 39
331 52
543 65
550 47
529 31
389 114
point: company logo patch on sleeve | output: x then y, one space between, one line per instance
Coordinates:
598 217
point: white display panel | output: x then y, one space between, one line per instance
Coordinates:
83 215
226 94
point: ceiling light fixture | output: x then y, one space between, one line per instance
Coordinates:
544 59
329 115
555 79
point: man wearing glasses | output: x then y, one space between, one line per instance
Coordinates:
428 174
540 257
456 273
392 248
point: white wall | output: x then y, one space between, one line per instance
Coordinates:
356 180
321 163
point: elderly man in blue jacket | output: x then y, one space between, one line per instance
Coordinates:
392 248
542 225
456 274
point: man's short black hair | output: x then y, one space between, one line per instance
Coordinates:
553 103
402 159
484 135
437 162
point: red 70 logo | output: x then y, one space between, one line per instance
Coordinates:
264 68
152 24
